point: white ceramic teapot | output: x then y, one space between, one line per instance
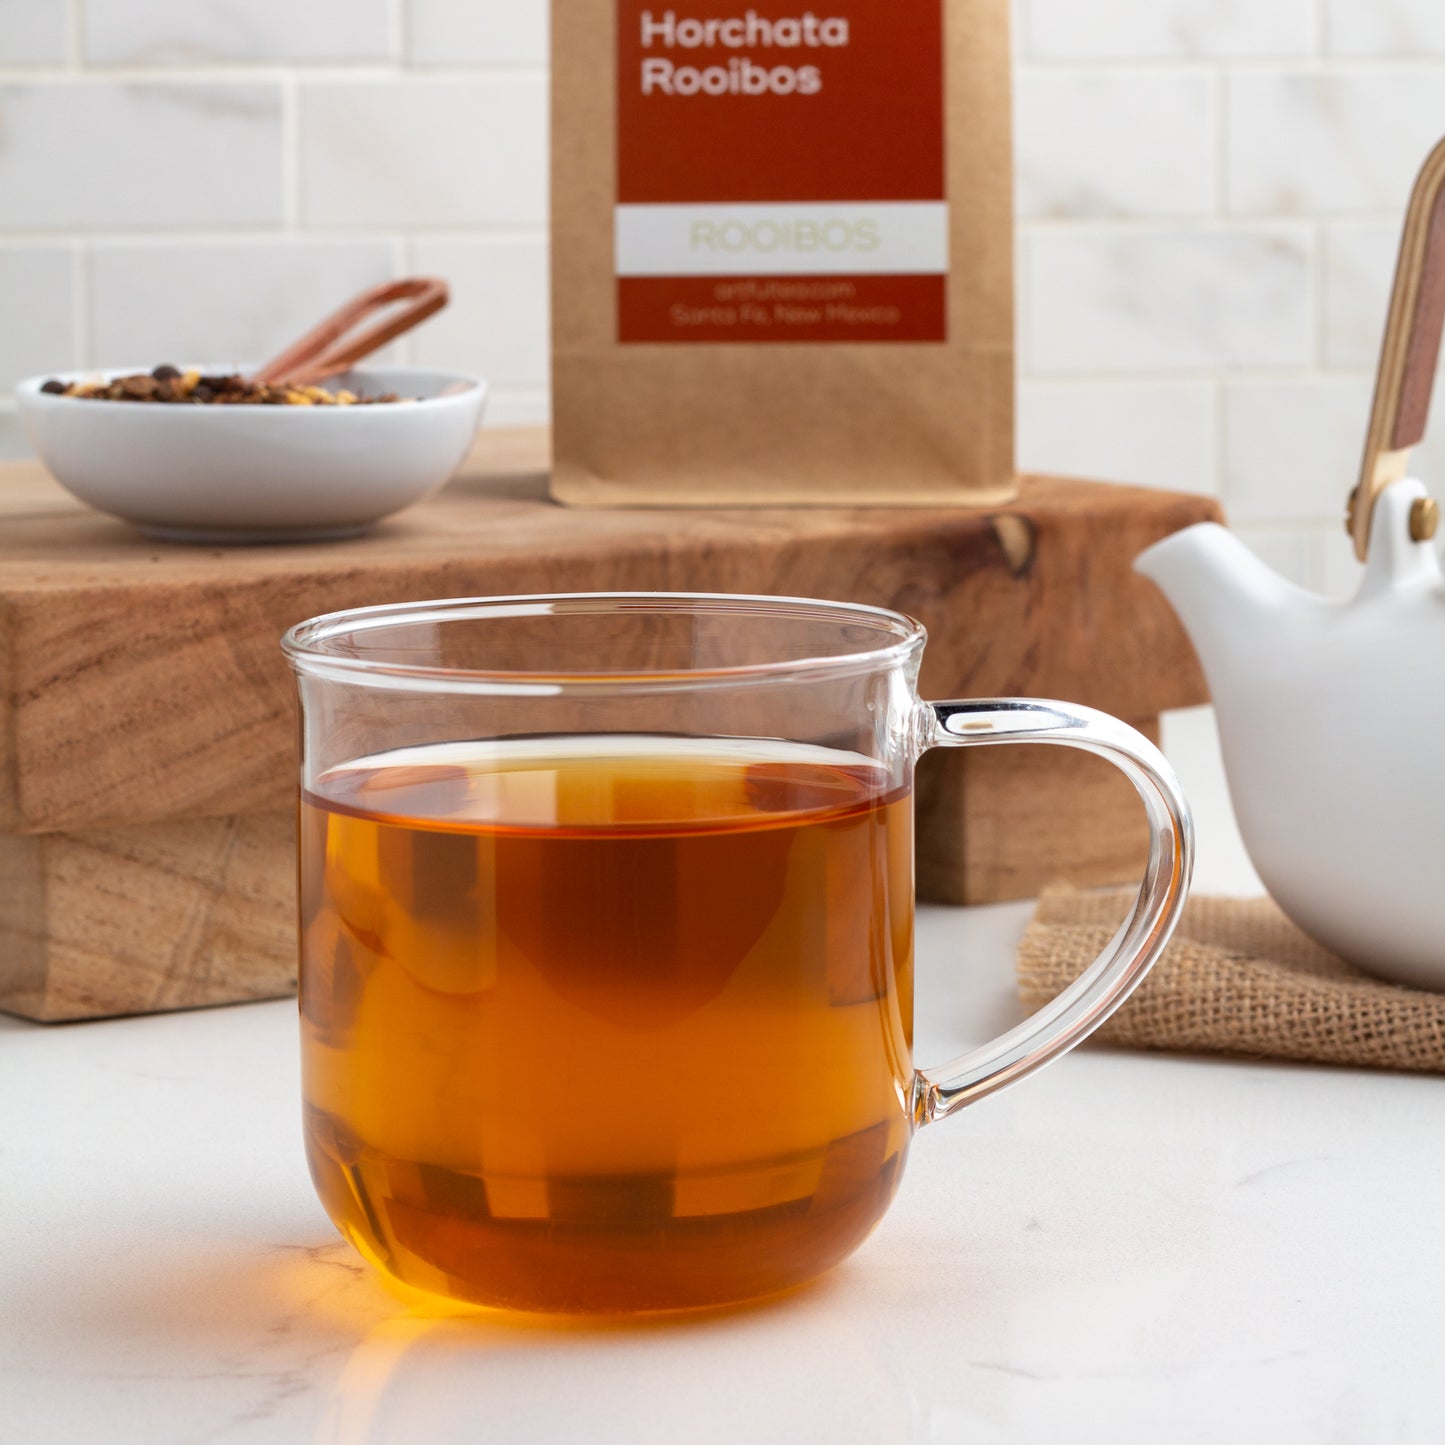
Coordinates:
1331 714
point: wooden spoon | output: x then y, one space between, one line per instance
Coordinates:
332 345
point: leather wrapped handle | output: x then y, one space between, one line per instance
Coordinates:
1410 352
334 345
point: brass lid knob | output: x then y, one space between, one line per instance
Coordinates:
1424 519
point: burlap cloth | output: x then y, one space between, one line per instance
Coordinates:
1238 978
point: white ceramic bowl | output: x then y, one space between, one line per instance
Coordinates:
256 473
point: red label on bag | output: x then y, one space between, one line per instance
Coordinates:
780 172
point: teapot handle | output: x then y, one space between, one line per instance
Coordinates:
1407 359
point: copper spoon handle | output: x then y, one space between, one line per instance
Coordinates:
333 345
1410 351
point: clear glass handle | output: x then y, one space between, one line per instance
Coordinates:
1114 975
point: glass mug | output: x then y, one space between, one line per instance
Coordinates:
607 937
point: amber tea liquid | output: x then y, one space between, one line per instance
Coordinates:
609 1023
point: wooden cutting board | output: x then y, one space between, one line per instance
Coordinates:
147 718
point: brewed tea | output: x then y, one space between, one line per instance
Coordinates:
607 1022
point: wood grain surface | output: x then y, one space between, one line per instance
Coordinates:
147 770
139 920
109 921
143 681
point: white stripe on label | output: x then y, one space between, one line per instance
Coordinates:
850 238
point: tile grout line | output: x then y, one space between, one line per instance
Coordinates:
1202 224
399 18
1301 62
74 40
339 72
20 240
1197 223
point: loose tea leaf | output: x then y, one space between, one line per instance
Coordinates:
169 384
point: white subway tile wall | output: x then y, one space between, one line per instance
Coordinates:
38 283
249 293
1292 447
1082 150
1209 199
1169 29
1150 433
1328 144
82 154
477 32
209 32
465 152
1159 301
497 322
1359 263
33 32
1395 28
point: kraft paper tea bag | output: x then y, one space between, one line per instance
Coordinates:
782 252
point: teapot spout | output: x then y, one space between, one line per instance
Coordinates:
1228 600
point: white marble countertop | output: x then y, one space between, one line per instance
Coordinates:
1131 1247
